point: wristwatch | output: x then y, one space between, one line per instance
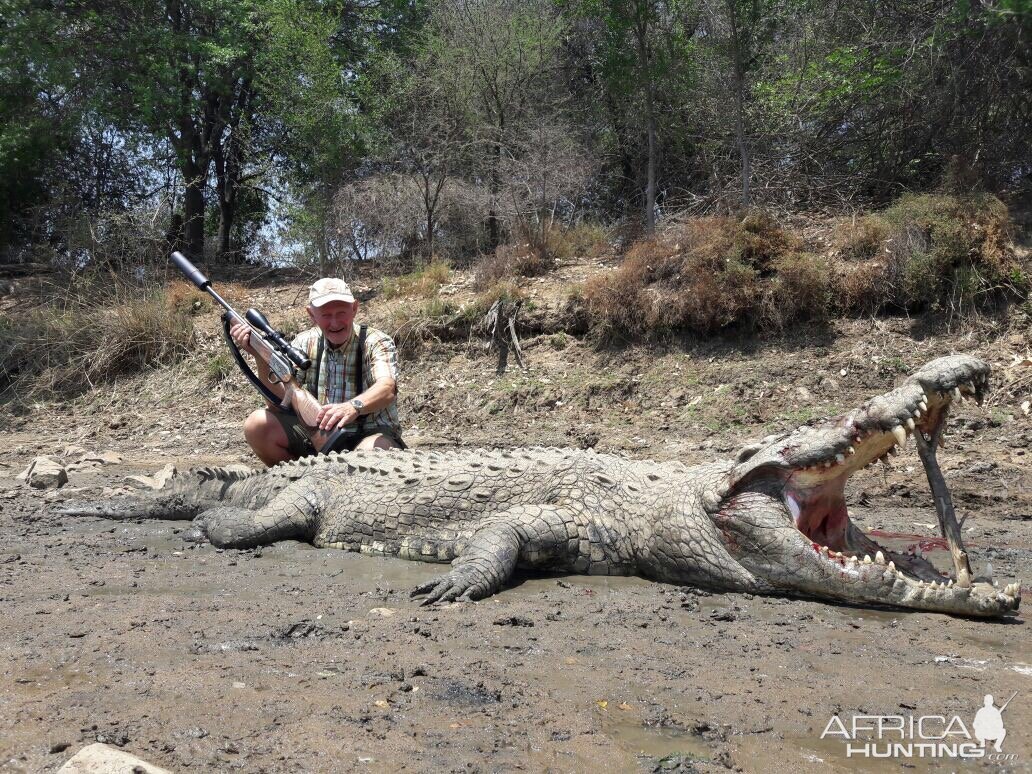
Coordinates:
359 405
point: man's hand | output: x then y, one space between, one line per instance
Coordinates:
334 415
241 334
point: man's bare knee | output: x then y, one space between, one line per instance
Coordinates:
377 441
266 437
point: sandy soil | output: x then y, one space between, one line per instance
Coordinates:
290 658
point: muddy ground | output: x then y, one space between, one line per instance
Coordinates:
290 658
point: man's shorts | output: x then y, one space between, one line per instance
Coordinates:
299 442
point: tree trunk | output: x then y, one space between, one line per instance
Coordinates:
227 212
650 187
193 209
737 56
494 232
743 148
641 32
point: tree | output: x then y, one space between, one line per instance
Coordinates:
503 52
643 61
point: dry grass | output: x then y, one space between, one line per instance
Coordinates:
582 240
803 289
511 261
423 282
702 276
87 335
415 326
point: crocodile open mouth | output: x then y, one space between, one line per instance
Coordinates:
814 492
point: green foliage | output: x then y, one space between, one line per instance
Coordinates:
33 129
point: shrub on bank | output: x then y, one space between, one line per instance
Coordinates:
925 253
424 281
702 276
930 252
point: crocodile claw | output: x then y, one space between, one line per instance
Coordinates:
462 585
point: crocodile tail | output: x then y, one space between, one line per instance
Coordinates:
173 507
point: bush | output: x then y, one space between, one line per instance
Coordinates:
701 276
424 281
503 290
930 252
582 240
81 339
804 288
414 326
508 262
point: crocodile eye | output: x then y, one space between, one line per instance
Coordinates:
747 452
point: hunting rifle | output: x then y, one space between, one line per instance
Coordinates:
272 351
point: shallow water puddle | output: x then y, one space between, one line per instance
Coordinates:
629 734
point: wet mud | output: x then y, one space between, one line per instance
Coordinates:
291 658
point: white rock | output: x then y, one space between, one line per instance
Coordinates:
44 473
104 457
102 759
384 612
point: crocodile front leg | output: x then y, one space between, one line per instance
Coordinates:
290 515
525 534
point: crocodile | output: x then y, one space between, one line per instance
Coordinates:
773 520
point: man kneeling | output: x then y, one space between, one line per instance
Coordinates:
354 375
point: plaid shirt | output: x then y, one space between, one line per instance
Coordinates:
337 373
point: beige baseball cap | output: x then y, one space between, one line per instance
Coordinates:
329 289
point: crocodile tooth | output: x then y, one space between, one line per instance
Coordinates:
917 413
824 551
850 451
892 566
867 559
921 584
852 561
879 557
949 583
923 406
839 458
910 424
900 435
956 394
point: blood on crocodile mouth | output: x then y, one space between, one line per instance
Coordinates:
814 493
820 513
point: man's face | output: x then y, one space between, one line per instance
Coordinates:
334 320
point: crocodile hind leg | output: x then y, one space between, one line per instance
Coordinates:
524 534
290 515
